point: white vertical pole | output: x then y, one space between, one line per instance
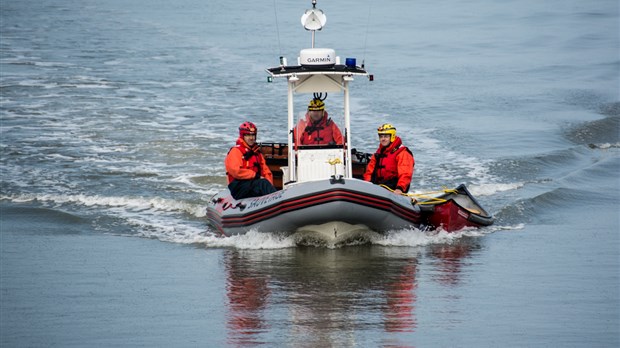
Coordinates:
347 126
292 168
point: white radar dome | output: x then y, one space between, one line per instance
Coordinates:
317 57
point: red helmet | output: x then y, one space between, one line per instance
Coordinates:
247 128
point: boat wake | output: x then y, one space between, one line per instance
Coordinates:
399 238
181 222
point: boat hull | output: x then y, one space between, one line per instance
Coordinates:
333 234
348 201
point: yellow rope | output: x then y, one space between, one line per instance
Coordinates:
425 196
430 199
426 199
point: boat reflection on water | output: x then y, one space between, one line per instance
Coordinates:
247 296
401 297
449 260
324 296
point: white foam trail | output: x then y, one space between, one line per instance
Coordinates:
165 229
490 189
415 237
128 203
252 240
495 228
605 146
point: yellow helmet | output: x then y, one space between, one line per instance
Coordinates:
387 128
316 105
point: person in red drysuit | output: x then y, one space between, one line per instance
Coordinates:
246 169
392 164
317 128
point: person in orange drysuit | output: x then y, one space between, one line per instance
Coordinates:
317 128
246 169
392 164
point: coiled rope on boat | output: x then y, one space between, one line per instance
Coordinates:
426 196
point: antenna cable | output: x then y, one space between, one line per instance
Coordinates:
366 38
275 12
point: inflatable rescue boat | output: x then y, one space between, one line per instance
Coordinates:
320 188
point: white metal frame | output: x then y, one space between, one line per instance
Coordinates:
317 80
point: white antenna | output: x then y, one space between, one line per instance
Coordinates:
313 20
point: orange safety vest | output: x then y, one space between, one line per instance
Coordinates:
243 163
383 168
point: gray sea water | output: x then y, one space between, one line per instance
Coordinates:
115 117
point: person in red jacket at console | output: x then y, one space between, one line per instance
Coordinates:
246 169
317 128
392 164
